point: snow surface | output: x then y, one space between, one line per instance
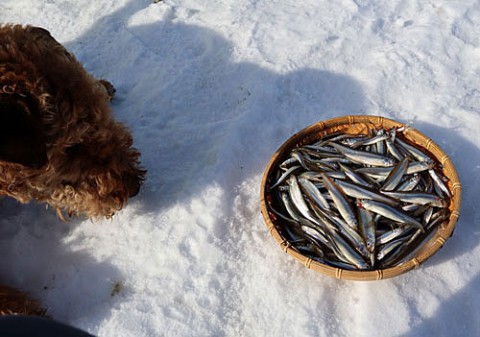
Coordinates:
210 89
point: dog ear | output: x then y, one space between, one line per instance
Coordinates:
21 135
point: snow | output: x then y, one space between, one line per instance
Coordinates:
210 89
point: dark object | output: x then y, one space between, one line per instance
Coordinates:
28 326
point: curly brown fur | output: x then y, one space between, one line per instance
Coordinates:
59 143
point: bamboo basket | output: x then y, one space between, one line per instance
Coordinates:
360 125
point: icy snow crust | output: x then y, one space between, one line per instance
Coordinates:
210 89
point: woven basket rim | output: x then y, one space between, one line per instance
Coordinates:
428 248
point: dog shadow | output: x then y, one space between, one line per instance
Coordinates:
194 110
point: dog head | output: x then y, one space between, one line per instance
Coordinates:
87 167
102 172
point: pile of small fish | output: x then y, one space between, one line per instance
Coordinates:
359 201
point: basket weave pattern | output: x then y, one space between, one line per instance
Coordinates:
361 125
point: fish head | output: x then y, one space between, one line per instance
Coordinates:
389 161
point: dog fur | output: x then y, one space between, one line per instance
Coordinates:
59 143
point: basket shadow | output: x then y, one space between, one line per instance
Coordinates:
455 316
34 258
456 146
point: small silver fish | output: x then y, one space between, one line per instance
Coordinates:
359 202
419 198
396 175
341 202
363 157
389 212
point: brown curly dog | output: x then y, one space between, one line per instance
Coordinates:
59 143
